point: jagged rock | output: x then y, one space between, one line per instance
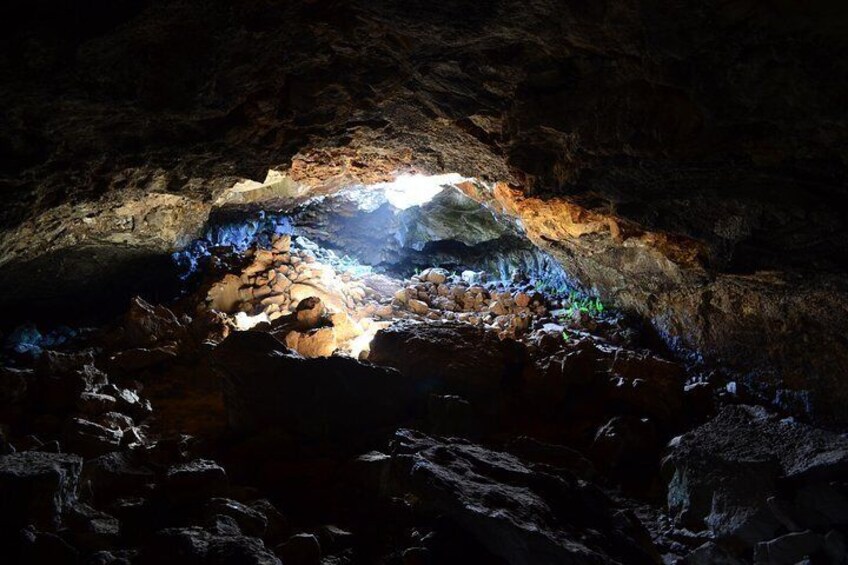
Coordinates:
250 521
265 384
37 488
556 456
788 549
196 546
711 554
93 404
90 439
724 472
140 358
119 474
452 358
146 325
195 480
13 385
300 549
521 515
46 547
91 529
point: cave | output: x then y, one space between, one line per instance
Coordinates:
411 283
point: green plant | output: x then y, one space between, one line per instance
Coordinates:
565 335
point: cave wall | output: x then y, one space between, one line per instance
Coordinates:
686 160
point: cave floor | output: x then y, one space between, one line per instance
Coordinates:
290 409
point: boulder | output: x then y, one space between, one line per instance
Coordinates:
146 325
320 342
452 358
36 488
726 474
195 480
90 439
332 398
118 474
519 514
197 546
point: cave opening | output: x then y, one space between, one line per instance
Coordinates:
325 273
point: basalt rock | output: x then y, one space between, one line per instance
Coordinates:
747 475
519 514
330 399
452 358
37 488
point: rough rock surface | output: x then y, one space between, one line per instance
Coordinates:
333 398
37 488
517 513
747 475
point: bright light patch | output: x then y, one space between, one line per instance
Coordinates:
407 191
245 322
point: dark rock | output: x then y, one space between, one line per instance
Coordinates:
129 401
13 385
712 554
453 358
196 546
278 526
90 529
521 515
118 474
36 488
250 521
300 549
140 358
451 415
627 446
44 547
332 398
197 479
90 439
222 525
788 549
724 472
94 404
146 325
555 456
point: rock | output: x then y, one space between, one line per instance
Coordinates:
556 456
509 508
115 475
91 529
417 306
711 554
93 404
788 549
281 244
224 295
37 488
141 358
45 547
522 299
90 439
146 325
332 301
320 342
13 385
724 472
309 311
300 549
331 398
250 521
196 546
452 358
195 480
